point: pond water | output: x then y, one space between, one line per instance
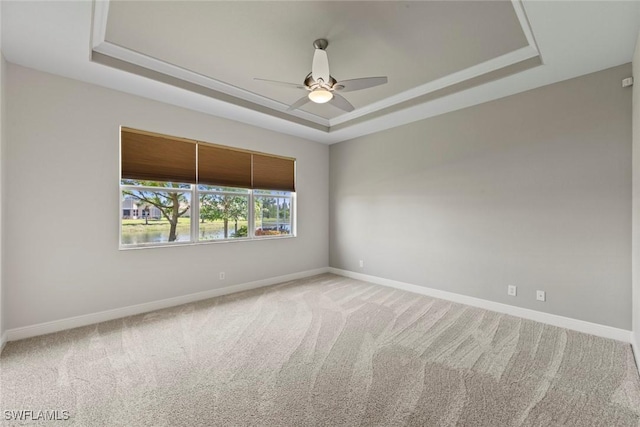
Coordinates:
163 236
137 234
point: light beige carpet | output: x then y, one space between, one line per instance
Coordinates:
323 351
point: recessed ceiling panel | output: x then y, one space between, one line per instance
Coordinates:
412 43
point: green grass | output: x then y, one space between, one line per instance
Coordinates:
138 225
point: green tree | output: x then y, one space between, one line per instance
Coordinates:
216 207
172 204
272 212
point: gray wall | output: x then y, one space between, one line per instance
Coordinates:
636 197
3 143
3 311
532 190
62 162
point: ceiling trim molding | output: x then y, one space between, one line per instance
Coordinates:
127 55
526 26
441 83
448 91
209 93
99 27
102 46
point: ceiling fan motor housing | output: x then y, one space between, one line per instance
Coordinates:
321 44
311 84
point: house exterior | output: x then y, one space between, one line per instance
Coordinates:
133 208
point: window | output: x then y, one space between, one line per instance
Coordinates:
224 213
166 197
181 191
273 213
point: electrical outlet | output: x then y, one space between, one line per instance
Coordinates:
222 275
361 263
541 296
512 290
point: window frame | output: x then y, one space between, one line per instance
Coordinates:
194 229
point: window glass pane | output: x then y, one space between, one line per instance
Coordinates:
155 217
203 187
272 216
155 184
223 216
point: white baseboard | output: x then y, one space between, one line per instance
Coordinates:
538 316
102 316
636 351
3 341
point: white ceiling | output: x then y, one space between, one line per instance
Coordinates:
218 47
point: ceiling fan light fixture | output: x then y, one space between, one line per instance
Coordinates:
321 85
320 96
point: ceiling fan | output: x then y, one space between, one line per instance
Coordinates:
322 87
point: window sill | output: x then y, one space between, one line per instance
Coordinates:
208 242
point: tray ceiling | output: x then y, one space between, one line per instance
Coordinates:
218 48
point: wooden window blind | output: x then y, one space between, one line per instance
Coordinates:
150 157
273 173
222 166
155 157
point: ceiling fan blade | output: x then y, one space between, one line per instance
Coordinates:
358 84
320 66
341 103
286 84
299 103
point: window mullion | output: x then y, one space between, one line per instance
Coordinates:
195 213
293 206
251 224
